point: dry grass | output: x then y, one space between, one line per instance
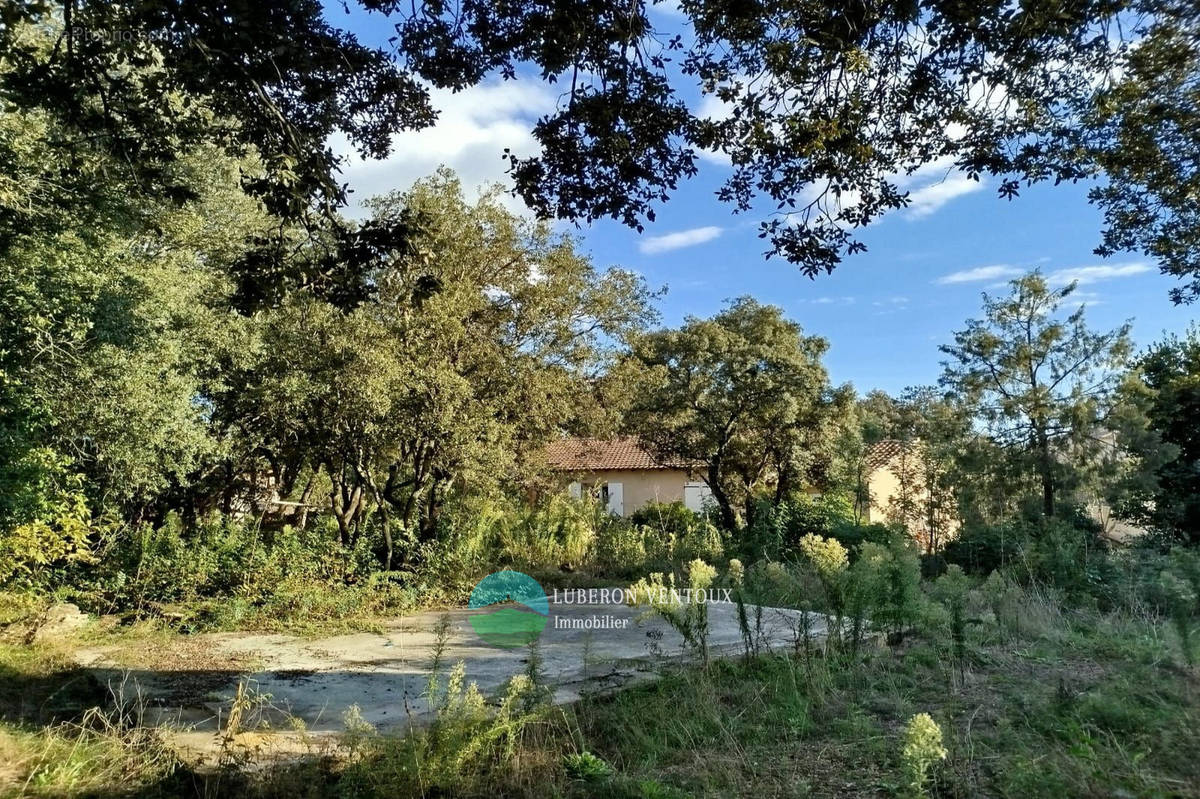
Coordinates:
1059 702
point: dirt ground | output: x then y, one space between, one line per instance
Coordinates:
291 683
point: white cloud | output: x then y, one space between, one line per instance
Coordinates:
473 128
678 240
1094 274
929 187
1088 298
927 199
933 185
1058 277
980 274
829 301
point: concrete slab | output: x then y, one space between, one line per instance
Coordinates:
583 648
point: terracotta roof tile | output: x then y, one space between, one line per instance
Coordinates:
598 454
881 452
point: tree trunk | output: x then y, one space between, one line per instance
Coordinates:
433 510
227 489
783 485
387 538
345 501
1046 465
728 517
305 498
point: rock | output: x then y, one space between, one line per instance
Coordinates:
61 619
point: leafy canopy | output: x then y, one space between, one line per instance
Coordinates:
825 108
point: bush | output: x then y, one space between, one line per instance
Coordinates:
951 590
983 549
922 751
668 518
1065 552
775 531
673 535
224 572
890 575
687 613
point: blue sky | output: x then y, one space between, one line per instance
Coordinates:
884 312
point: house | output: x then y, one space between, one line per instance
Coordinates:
894 476
881 474
624 475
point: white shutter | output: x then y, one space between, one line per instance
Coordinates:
696 496
575 490
616 499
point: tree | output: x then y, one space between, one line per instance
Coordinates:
472 353
143 81
1168 385
1143 134
1043 384
743 393
827 108
112 332
932 431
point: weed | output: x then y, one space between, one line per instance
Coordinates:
586 767
922 750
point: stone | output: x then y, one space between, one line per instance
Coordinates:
59 620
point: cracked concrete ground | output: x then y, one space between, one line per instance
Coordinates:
315 681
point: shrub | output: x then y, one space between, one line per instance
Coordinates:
702 541
687 615
922 750
31 553
586 767
621 549
1178 593
951 590
827 556
1065 551
666 517
983 549
777 530
890 576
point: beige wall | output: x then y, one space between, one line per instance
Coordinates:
883 484
640 486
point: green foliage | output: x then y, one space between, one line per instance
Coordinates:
286 84
586 767
1168 382
1177 591
743 393
777 528
890 576
922 750
1042 382
467 748
982 549
562 534
465 363
29 551
686 611
47 527
951 590
672 518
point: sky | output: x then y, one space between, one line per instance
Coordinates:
884 312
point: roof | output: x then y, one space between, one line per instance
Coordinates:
600 454
881 453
